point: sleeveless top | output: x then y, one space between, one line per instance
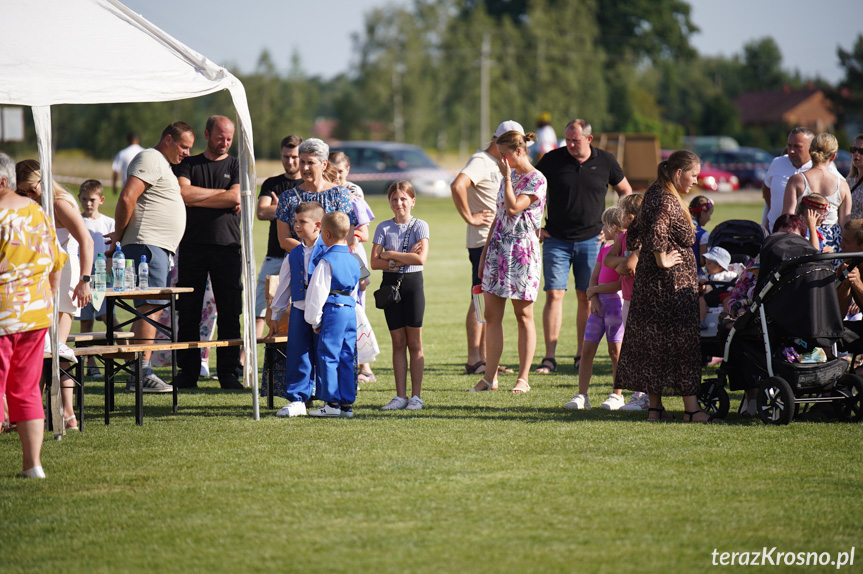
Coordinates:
834 200
346 275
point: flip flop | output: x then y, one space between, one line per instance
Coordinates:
547 366
366 377
504 370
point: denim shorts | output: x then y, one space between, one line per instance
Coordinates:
159 262
558 256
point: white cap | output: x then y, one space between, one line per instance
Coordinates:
508 126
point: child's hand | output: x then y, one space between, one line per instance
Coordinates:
595 306
317 330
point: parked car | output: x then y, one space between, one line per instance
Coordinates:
749 164
376 165
712 179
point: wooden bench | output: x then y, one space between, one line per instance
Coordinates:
94 336
274 350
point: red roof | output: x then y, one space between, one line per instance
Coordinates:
775 107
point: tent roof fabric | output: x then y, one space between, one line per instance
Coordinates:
103 53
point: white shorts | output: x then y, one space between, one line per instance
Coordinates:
68 280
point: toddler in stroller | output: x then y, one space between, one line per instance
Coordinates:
795 311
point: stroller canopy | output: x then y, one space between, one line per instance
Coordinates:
740 237
803 299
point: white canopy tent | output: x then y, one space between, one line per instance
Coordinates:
98 51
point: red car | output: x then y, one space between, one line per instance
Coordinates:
713 179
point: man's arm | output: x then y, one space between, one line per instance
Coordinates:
267 205
459 198
126 207
623 187
286 241
195 196
114 181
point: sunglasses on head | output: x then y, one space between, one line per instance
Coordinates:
853 149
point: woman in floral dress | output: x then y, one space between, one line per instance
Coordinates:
661 353
510 264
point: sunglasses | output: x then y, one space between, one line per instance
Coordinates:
854 150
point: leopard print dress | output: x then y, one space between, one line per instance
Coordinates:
661 353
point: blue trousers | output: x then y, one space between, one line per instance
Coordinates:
299 369
335 355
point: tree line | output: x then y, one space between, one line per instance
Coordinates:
625 65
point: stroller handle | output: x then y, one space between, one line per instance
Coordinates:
855 256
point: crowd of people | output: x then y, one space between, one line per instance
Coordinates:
637 267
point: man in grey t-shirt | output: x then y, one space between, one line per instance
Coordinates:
150 220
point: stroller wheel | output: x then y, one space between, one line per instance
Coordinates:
775 401
713 399
850 408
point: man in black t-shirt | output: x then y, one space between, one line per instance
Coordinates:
211 245
268 201
578 178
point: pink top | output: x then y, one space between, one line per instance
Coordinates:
606 274
626 281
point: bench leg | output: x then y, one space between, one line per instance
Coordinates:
139 391
47 387
109 389
174 378
79 392
268 362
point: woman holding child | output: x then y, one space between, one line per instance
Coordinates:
510 262
660 353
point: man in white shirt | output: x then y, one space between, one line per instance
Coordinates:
123 158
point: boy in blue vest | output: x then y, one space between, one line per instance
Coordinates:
297 269
330 311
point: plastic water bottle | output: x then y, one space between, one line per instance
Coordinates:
143 274
478 303
130 274
118 268
100 278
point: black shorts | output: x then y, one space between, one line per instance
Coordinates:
474 254
410 310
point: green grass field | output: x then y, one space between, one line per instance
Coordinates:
480 482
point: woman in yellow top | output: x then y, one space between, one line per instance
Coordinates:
30 266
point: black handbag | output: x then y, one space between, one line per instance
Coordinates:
389 295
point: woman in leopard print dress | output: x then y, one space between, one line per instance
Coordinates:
660 353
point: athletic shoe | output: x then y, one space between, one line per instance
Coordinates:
35 472
151 384
578 402
347 411
94 372
181 381
637 402
293 409
395 404
414 404
231 383
326 411
612 403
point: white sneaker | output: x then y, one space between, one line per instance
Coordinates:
637 402
612 403
35 472
326 411
414 404
578 402
395 404
293 409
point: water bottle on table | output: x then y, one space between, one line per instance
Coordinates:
118 268
143 274
130 274
100 278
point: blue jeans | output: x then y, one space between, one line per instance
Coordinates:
559 255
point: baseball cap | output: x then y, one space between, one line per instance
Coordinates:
510 126
720 256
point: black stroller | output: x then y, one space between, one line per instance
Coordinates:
742 239
795 309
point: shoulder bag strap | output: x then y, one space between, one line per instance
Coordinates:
405 245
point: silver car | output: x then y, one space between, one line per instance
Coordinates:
376 165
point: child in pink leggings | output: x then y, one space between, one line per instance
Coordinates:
606 305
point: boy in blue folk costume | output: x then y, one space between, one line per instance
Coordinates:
294 277
330 311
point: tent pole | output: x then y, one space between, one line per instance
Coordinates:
42 122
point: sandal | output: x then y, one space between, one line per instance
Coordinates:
474 369
366 377
488 386
710 418
576 362
547 366
68 425
504 370
520 390
661 418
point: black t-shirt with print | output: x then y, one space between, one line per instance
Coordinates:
207 225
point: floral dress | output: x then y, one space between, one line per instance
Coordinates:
512 258
661 353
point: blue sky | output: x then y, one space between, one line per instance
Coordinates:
807 32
